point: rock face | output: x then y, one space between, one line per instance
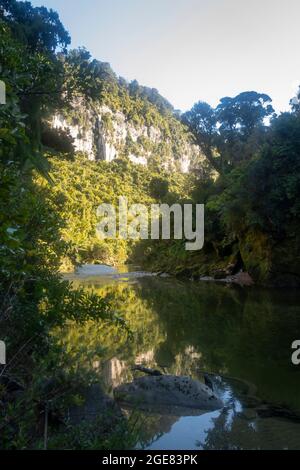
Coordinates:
104 134
166 391
272 262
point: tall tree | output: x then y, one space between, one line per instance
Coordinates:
36 27
244 112
202 122
225 133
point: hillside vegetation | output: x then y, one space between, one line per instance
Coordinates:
80 186
249 183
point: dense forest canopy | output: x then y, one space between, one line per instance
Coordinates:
249 183
233 130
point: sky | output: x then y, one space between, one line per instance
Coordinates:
192 50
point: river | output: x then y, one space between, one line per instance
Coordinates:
242 336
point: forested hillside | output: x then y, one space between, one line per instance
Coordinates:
244 165
123 120
252 205
80 186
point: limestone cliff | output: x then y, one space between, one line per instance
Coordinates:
105 133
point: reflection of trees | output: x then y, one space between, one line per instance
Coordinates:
187 326
109 347
240 332
230 431
155 426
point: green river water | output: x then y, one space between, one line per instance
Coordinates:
242 336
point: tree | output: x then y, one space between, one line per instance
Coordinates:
159 188
202 122
295 102
83 76
36 27
33 84
224 134
244 112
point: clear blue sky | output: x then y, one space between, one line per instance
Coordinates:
192 49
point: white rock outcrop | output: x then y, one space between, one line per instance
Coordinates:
106 135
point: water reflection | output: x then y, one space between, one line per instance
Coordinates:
242 336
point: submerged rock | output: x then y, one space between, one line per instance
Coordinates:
96 405
241 278
168 391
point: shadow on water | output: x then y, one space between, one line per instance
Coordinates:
242 336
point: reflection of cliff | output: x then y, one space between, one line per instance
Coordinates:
114 372
187 362
187 326
146 358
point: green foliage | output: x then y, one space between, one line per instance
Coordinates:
33 297
225 134
38 28
100 434
79 187
31 78
33 301
150 94
159 188
252 214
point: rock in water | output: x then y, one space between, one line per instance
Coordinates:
96 405
168 390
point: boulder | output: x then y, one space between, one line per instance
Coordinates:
168 391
